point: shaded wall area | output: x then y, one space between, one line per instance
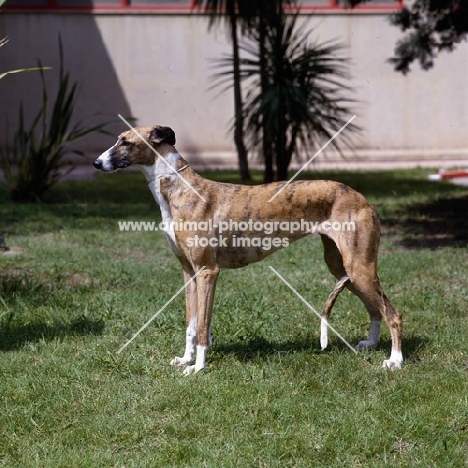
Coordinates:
31 37
159 69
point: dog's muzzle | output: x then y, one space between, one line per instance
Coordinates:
97 164
122 163
109 165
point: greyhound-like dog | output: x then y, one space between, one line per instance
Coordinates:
185 199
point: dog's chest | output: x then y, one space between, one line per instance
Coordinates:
154 186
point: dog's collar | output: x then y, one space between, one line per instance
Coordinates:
165 175
182 168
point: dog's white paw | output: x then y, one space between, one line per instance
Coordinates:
391 364
180 361
364 344
395 361
189 370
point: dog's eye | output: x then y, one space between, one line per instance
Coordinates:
126 143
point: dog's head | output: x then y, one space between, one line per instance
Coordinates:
136 147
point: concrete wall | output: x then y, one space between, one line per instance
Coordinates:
157 68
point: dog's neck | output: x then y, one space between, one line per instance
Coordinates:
164 166
169 166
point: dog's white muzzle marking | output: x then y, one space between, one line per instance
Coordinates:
105 159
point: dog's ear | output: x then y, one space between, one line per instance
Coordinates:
162 134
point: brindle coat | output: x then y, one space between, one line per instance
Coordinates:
351 255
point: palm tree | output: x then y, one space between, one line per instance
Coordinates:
246 15
296 97
232 10
249 15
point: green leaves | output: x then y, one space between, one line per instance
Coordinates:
36 159
4 41
430 27
21 70
297 96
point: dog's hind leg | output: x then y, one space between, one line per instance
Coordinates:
394 321
327 310
361 266
371 294
334 261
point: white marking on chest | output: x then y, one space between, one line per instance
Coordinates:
165 214
153 175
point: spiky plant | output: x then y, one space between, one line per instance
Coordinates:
297 97
35 160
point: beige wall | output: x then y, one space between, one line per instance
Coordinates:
157 68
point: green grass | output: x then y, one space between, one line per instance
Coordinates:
269 397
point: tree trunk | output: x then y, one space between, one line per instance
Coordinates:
281 151
282 169
267 146
242 154
269 173
291 146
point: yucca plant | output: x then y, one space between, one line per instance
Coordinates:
3 41
241 16
35 160
297 97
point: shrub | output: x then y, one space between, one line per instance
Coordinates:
35 160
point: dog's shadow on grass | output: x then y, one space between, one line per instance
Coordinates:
18 330
440 223
260 348
16 336
249 349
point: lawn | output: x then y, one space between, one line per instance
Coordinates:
269 397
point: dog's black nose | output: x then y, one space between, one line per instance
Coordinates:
97 164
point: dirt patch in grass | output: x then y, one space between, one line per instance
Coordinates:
12 251
78 280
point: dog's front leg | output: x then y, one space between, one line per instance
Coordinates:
190 321
206 285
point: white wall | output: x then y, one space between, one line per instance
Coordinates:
157 68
